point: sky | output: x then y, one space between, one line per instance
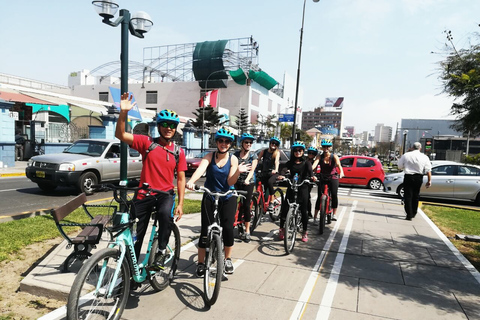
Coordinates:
380 55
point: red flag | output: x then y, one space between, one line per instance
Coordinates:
209 99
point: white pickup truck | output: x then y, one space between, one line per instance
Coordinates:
83 164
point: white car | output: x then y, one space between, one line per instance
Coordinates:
83 164
450 180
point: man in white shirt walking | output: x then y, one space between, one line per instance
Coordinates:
415 165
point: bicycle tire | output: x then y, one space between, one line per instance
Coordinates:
255 214
162 278
277 207
214 265
83 301
290 231
323 211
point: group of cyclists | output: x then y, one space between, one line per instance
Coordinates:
224 171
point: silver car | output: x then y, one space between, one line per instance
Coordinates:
450 180
83 164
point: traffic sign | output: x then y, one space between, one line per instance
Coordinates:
285 117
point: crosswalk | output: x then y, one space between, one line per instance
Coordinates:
364 193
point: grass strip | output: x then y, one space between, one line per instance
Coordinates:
15 235
452 221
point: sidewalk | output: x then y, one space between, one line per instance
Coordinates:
16 171
370 264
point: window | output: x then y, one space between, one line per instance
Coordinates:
151 97
468 171
103 96
348 162
133 153
447 170
365 163
255 98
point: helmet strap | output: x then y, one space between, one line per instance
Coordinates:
163 139
218 150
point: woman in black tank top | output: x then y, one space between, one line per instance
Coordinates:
270 162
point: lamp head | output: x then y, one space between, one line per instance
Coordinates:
106 9
316 0
141 22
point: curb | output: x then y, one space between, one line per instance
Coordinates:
5 175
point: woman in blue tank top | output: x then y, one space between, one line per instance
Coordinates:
222 173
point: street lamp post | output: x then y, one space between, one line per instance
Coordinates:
137 25
203 110
298 73
405 132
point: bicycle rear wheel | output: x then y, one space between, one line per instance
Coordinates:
93 294
290 230
213 270
255 214
161 279
277 204
323 211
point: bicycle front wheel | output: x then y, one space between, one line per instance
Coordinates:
168 262
98 292
290 230
277 199
213 270
323 212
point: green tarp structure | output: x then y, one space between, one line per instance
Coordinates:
262 78
207 65
62 110
238 76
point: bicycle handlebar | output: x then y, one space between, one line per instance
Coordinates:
116 188
298 184
233 192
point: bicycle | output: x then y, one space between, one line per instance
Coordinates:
101 288
325 201
214 262
262 205
293 219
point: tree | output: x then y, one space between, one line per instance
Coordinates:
241 123
211 117
460 75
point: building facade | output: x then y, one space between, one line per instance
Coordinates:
322 117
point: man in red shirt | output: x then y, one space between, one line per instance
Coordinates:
159 164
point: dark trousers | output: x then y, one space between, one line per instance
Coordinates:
142 209
226 211
411 186
246 202
302 200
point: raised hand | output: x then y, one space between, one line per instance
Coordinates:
126 102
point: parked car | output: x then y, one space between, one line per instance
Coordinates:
450 180
363 171
193 163
83 164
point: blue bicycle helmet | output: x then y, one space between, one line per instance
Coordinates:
224 133
275 139
312 149
247 136
326 143
298 144
168 116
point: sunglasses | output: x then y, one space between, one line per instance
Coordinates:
297 150
224 141
314 153
170 125
274 143
248 142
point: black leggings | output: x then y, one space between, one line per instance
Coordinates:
333 187
226 211
302 200
142 209
246 201
268 182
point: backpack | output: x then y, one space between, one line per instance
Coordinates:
175 152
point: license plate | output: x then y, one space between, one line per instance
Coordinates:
40 174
